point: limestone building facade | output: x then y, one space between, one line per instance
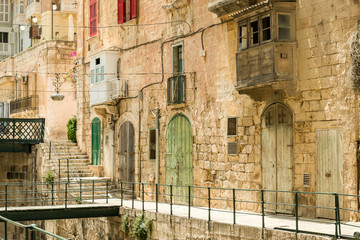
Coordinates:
258 94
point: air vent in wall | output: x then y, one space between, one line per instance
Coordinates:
306 179
232 148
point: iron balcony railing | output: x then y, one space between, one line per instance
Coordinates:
233 201
23 104
176 89
21 130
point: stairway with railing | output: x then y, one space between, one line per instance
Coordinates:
69 164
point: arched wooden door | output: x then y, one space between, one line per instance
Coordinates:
127 152
179 155
95 141
277 156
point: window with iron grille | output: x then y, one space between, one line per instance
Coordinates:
93 17
127 10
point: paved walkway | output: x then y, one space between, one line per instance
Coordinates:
243 218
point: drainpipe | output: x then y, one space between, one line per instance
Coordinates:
157 146
139 139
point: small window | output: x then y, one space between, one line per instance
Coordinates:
97 61
177 54
231 126
254 32
243 35
232 148
284 27
266 28
4 37
152 144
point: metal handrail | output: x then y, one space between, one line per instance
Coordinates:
32 228
52 151
208 197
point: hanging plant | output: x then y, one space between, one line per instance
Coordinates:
142 227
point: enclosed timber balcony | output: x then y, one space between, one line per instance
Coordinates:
269 65
24 104
21 130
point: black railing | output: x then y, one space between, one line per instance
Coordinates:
21 130
23 104
148 196
176 89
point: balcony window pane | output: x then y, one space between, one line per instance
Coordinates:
266 30
102 71
92 77
97 75
284 27
254 28
243 36
21 9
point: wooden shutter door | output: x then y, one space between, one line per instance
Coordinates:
95 141
329 168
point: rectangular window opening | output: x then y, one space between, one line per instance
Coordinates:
284 27
254 32
231 126
266 28
243 36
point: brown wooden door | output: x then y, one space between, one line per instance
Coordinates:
277 159
127 153
329 167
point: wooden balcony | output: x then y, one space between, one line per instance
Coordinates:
24 104
268 65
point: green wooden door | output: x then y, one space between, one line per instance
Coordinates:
95 141
179 166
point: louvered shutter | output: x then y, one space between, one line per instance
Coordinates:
133 9
93 17
121 11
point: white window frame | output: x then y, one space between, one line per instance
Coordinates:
4 14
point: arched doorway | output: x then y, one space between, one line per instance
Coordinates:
127 152
277 156
95 141
179 165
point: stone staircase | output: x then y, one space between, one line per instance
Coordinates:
74 168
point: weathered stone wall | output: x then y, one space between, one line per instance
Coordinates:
40 63
166 227
324 97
